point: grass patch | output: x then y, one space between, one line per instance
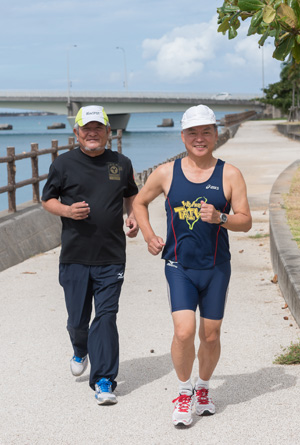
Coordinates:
290 355
259 235
292 207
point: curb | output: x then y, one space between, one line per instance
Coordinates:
285 254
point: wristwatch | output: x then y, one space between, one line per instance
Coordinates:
223 218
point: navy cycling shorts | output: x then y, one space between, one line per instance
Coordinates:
206 288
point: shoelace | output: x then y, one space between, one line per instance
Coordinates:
78 359
202 396
184 402
104 385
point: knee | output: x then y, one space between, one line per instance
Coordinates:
184 334
210 339
77 327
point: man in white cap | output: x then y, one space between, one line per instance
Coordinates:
200 190
86 187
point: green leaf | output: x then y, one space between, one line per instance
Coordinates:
264 37
230 8
287 14
268 14
296 52
232 33
257 18
250 5
284 48
224 25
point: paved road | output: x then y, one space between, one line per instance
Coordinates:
257 401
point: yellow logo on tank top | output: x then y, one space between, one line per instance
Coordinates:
190 211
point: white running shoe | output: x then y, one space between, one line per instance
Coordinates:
78 365
104 394
204 404
182 413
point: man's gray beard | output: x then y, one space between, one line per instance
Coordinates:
94 149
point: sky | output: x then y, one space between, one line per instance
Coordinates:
166 46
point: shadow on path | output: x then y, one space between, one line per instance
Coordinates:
240 388
139 372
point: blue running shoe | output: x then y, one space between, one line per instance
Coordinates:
78 365
104 394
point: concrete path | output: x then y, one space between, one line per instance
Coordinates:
257 401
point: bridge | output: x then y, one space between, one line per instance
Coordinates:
119 105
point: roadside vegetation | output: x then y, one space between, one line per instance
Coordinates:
259 235
292 207
289 356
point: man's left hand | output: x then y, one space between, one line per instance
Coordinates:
133 227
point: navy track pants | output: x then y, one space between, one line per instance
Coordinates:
99 339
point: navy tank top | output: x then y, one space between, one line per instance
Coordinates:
190 241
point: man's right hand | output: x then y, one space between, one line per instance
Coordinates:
155 245
79 210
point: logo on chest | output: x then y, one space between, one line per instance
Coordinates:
212 187
190 211
114 171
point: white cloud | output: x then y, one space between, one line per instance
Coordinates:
182 52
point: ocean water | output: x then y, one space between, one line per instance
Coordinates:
143 142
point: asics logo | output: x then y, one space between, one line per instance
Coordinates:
172 264
120 275
212 187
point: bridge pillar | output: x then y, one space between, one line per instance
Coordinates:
118 121
73 108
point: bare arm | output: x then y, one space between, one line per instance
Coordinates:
157 183
130 220
236 193
78 210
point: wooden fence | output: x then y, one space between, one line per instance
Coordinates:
34 154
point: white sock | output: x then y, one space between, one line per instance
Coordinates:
186 386
202 383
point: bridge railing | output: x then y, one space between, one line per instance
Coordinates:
35 179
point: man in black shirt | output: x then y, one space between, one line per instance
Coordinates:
86 188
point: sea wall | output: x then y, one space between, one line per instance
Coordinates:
28 232
289 129
285 254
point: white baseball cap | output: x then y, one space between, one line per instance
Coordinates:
91 113
198 115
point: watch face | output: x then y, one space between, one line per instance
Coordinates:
223 218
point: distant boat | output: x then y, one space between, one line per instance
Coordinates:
56 125
6 127
167 123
